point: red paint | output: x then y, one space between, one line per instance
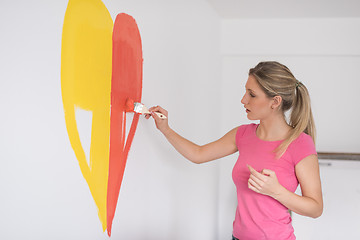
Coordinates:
126 83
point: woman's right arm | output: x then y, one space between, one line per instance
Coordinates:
193 152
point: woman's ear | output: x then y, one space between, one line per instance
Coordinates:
276 102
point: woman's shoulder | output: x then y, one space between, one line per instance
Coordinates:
303 138
302 147
303 143
246 129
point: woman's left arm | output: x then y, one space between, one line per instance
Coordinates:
307 171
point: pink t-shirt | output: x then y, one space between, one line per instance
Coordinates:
259 216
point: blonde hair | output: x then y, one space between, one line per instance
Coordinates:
277 80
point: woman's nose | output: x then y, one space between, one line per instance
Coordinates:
243 100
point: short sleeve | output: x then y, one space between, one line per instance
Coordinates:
239 133
303 147
244 131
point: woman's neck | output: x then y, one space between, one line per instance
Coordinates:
273 129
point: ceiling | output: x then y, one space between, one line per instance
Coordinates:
243 9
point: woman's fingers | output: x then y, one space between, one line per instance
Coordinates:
258 181
161 123
253 188
155 116
265 182
256 173
254 183
151 109
267 172
159 109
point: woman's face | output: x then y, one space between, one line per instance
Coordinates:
257 104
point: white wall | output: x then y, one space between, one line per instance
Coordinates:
322 53
163 196
43 194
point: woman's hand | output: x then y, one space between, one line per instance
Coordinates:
161 124
264 182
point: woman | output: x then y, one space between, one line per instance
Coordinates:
274 156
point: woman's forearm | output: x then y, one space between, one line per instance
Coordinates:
302 205
188 149
204 153
267 183
193 152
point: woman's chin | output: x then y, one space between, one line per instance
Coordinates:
251 117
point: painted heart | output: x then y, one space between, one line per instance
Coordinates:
101 66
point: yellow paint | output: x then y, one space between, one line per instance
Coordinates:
86 62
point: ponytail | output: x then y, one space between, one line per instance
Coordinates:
301 117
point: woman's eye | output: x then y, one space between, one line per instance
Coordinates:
252 95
